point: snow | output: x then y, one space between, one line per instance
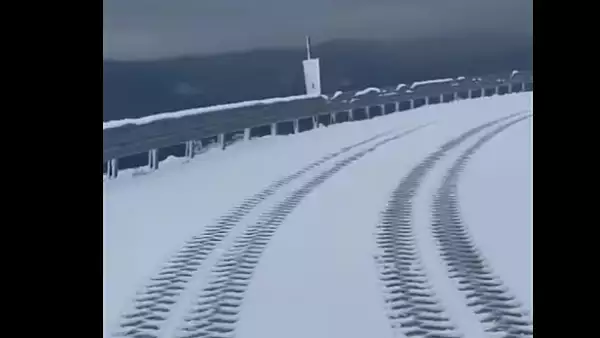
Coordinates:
313 79
444 287
420 83
496 190
196 111
367 90
148 217
460 78
317 277
336 94
339 263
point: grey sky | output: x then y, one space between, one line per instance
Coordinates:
135 29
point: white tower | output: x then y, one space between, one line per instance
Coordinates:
312 72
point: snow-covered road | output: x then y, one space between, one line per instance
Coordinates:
282 236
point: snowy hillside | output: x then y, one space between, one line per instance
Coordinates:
409 224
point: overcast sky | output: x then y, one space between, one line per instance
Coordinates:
142 29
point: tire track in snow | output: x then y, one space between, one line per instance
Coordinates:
217 309
485 293
153 305
413 308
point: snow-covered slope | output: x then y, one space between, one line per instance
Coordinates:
503 175
300 214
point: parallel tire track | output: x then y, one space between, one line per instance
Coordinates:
485 293
151 306
412 305
217 309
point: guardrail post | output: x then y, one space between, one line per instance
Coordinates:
441 98
426 100
350 115
315 120
193 148
368 112
412 103
247 134
197 146
153 159
221 140
273 129
397 106
383 109
509 88
497 90
296 126
470 93
332 118
455 96
190 150
112 169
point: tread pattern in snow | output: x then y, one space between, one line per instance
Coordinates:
153 304
485 293
217 309
413 308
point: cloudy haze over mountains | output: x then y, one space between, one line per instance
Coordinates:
168 55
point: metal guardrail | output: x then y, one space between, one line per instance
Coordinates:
131 139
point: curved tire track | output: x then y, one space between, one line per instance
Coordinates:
413 307
217 309
152 305
485 293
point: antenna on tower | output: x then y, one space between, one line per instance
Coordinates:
308 47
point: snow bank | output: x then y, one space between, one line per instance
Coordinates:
368 90
196 111
338 93
400 86
420 83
